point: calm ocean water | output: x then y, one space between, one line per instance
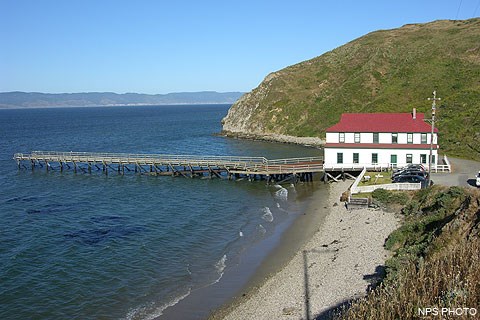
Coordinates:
80 246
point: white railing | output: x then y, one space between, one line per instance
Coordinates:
354 186
257 164
358 166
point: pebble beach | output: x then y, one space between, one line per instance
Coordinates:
338 263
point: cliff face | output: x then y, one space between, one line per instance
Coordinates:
384 71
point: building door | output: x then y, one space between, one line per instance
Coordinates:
393 161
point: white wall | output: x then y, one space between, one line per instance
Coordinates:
383 137
365 156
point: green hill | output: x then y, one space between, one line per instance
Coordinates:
383 71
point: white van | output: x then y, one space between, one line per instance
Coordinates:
478 179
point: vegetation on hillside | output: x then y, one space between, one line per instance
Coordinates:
437 258
384 71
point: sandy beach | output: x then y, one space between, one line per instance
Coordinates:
336 264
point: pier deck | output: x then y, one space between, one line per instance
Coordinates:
175 165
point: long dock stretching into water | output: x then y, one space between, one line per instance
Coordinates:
189 166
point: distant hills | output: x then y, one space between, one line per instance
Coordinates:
35 100
383 71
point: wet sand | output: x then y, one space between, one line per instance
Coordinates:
337 262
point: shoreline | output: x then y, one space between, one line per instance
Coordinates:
255 264
312 142
336 263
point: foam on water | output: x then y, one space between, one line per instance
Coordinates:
282 194
220 267
261 229
267 214
145 312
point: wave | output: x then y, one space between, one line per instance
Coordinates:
240 234
282 194
143 312
261 229
220 267
267 214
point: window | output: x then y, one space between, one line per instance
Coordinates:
423 158
409 158
409 137
355 157
357 137
433 159
393 158
374 158
339 157
341 137
423 138
375 137
394 137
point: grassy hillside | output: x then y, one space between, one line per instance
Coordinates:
436 262
384 71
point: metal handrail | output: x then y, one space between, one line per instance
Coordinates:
253 164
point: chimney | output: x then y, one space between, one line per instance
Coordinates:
414 113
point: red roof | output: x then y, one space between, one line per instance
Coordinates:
381 122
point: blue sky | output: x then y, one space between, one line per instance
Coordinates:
174 46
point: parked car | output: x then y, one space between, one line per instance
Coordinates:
411 179
411 166
410 172
478 179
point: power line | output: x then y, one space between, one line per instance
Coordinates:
458 10
475 11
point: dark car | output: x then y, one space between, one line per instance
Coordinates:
416 167
411 179
410 173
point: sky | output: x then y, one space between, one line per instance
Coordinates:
158 47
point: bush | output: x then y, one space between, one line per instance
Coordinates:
390 197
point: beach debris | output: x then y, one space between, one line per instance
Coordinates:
335 204
289 311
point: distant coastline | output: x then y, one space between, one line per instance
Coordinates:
24 100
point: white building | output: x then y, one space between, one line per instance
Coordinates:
379 140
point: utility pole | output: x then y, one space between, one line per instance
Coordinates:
434 100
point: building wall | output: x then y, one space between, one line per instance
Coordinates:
365 156
383 137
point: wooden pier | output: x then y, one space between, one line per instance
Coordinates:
189 166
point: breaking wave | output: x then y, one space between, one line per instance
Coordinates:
281 194
267 214
220 267
145 312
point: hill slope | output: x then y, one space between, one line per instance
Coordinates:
34 99
384 71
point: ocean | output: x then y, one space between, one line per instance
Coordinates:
90 246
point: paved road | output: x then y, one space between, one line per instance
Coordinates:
463 173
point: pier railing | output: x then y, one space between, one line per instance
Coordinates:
235 164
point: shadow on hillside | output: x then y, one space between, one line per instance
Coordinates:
373 279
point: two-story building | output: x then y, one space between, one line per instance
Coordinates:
379 140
